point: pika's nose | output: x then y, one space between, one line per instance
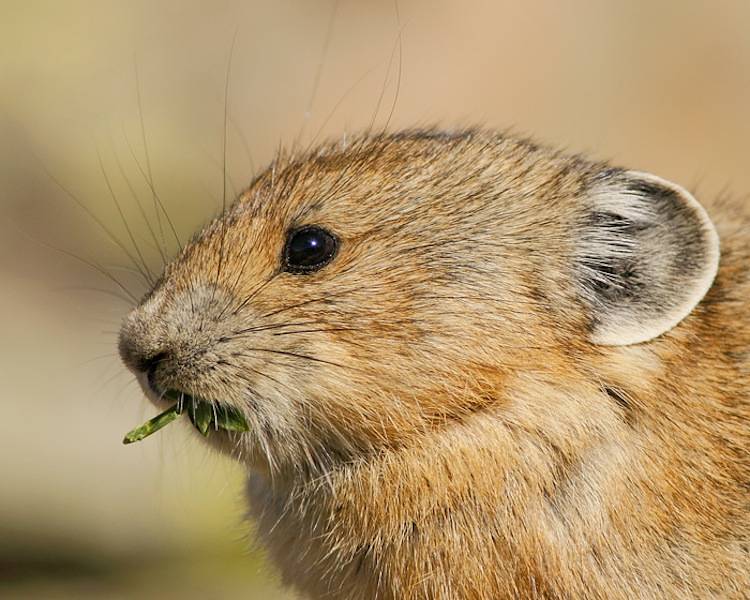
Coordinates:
144 359
143 345
163 344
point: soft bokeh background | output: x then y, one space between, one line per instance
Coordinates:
660 86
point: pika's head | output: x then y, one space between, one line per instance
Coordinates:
371 291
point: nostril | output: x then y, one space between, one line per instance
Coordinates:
150 363
149 366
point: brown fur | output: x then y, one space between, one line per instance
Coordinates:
440 425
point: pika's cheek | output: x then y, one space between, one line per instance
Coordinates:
278 410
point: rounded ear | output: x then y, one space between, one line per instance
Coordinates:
646 254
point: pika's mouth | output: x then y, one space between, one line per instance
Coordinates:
205 415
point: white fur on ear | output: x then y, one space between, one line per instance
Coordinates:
647 254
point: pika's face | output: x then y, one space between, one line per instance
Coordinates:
362 295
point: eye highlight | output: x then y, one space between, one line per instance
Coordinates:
308 249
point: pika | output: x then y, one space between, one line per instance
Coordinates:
472 367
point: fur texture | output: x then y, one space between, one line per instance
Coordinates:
431 416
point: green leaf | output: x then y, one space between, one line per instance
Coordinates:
201 414
152 425
230 419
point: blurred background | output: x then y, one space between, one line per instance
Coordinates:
658 86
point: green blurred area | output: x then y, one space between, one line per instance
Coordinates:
221 573
662 87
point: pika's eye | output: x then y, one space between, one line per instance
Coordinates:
308 249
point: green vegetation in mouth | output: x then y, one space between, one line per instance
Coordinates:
203 415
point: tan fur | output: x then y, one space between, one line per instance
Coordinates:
440 425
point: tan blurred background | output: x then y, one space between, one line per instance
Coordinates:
660 86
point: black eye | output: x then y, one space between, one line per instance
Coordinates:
308 249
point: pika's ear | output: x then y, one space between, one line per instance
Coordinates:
647 254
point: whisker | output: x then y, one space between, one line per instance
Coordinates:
113 238
483 298
318 330
385 84
271 326
242 368
148 276
216 415
139 204
226 118
233 287
149 178
118 373
297 355
225 128
158 205
97 358
122 268
245 144
146 174
96 267
400 66
336 106
307 302
81 288
318 71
